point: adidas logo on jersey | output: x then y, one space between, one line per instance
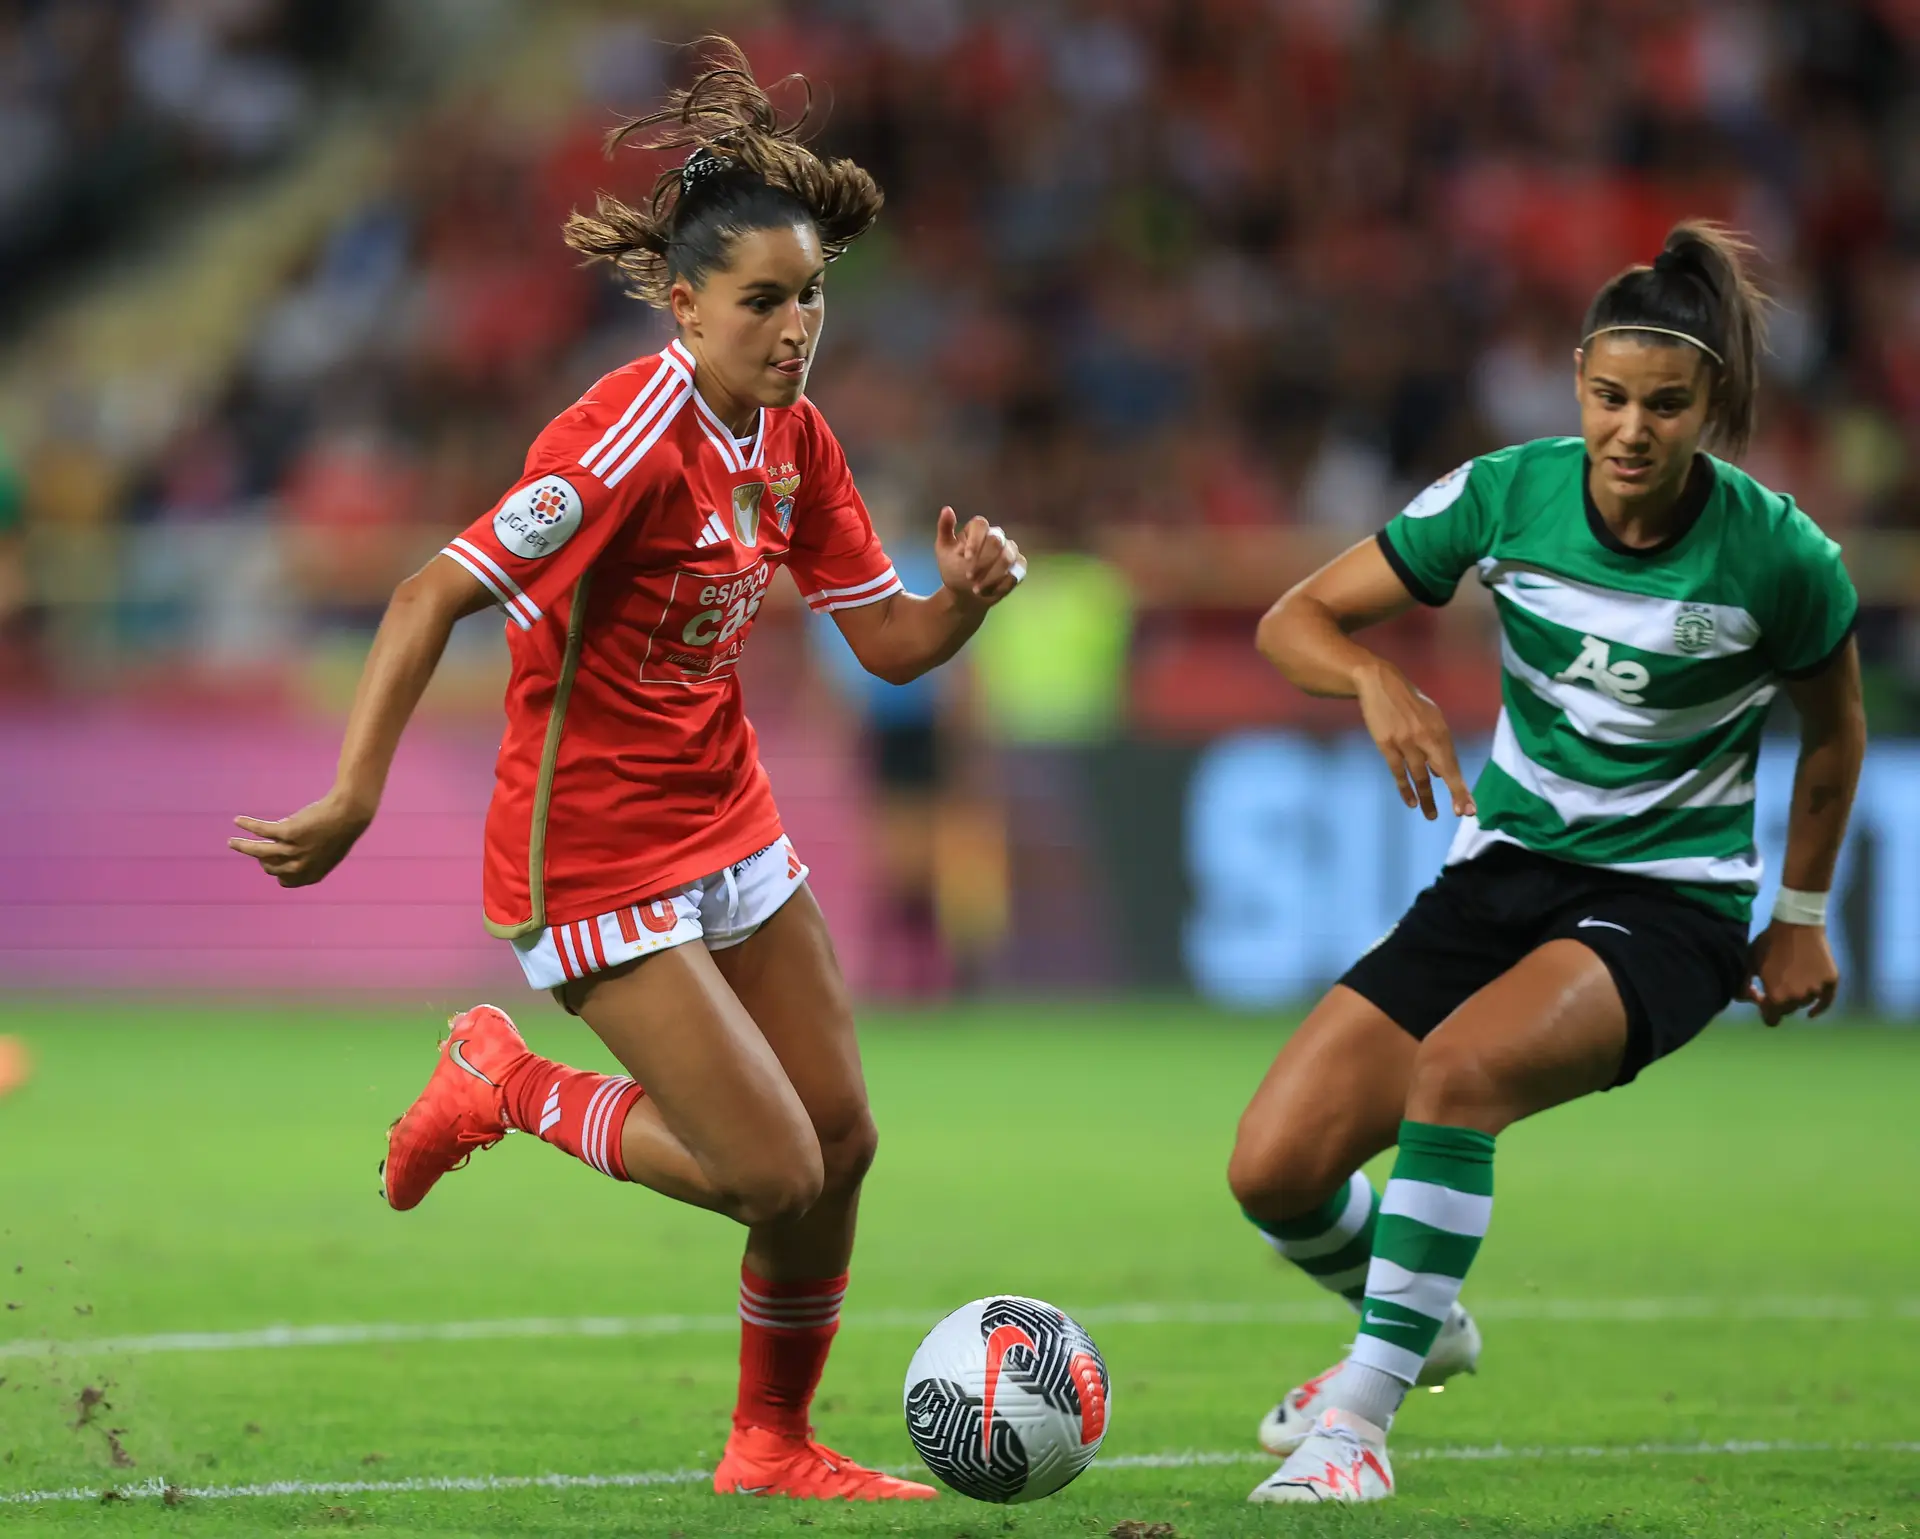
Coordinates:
712 532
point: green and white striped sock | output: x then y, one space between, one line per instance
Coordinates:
1333 1243
1432 1219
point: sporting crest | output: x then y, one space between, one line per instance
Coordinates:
746 510
1693 629
783 491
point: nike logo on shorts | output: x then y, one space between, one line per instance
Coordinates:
1590 923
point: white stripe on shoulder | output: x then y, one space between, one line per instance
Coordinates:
640 399
1640 620
670 407
660 394
825 603
520 609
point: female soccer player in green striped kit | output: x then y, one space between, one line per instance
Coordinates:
1593 912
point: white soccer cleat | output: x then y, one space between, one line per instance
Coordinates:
1343 1459
1455 1350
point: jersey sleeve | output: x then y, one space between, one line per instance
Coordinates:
584 477
834 554
1814 603
1436 538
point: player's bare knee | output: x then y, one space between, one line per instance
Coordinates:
847 1149
777 1184
776 1196
1280 1177
1453 1085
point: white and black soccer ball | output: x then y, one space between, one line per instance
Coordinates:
1007 1399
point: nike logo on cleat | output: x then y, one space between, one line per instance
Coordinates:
457 1052
740 1490
1590 923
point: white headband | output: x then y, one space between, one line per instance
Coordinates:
1665 331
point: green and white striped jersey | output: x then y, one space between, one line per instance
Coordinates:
1635 682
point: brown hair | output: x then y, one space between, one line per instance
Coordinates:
1700 290
743 172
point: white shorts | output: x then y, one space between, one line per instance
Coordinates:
722 910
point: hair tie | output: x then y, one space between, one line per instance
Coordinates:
701 164
1668 262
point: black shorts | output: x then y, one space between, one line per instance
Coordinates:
1677 963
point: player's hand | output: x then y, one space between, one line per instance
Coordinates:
1412 737
979 562
299 850
1791 967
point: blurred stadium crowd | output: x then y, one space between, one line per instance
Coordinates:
106 109
1188 294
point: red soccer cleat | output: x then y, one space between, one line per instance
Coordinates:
463 1107
763 1463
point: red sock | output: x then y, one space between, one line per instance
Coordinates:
573 1110
785 1331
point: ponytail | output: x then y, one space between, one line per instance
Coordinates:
744 171
1698 290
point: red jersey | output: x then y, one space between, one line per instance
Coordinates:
631 559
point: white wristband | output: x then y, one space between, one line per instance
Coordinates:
1793 907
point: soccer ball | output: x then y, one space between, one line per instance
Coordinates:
1007 1399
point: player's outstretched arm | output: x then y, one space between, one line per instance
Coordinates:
300 849
1308 636
1792 962
904 636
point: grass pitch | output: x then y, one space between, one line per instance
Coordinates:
1718 1262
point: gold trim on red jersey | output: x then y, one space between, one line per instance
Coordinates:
536 921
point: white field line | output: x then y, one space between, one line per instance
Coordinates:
148 1489
1571 1311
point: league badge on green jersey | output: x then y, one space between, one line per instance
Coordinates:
1442 495
1693 628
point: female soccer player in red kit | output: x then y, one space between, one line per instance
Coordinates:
631 818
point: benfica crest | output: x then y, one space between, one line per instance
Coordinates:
783 491
746 511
